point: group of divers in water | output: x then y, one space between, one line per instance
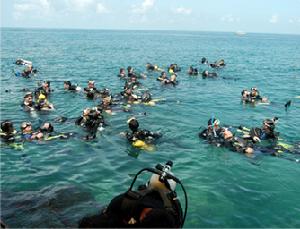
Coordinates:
154 204
240 139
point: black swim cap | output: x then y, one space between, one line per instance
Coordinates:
133 124
68 83
7 126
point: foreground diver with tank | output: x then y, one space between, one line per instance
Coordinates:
153 205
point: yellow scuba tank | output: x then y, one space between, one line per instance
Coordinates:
156 181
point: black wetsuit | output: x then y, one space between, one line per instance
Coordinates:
144 135
126 210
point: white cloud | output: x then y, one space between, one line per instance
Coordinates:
101 9
274 19
143 8
294 20
36 7
182 10
230 18
80 5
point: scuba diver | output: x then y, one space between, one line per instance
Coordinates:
91 119
91 91
8 131
173 68
213 130
69 87
49 134
162 77
193 71
43 103
204 60
252 96
218 64
131 73
151 67
172 81
28 134
106 105
132 82
140 135
23 62
266 132
153 205
28 103
122 73
206 74
44 89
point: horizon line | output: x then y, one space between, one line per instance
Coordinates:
138 29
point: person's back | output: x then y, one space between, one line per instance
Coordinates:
154 205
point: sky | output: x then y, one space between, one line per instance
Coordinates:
262 16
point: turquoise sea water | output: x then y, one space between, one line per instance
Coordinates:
55 183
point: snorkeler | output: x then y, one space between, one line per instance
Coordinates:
90 119
206 74
69 87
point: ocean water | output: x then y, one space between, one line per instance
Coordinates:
55 183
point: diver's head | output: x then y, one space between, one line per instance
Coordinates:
26 127
133 124
28 97
7 127
67 84
86 111
46 84
47 127
130 69
91 84
163 74
213 122
270 123
106 100
105 92
122 71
